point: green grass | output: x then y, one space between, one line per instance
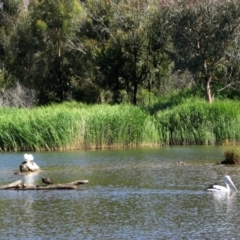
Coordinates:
78 126
198 122
74 126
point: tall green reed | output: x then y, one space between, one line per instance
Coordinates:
198 122
79 126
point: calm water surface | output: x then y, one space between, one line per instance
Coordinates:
132 194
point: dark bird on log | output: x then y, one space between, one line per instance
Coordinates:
47 180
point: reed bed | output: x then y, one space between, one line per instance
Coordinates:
118 126
73 126
38 129
198 122
78 126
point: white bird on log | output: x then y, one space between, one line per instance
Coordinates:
217 188
28 158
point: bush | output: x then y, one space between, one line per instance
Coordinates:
231 153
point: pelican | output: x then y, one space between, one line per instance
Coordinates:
47 180
28 158
217 188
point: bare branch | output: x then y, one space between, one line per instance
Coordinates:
78 47
228 86
18 96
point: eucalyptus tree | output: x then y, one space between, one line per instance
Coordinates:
21 50
203 33
10 13
132 44
53 26
159 65
91 39
118 47
231 82
123 63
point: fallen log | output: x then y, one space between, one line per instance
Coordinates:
18 185
12 185
49 187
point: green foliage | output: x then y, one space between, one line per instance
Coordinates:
197 122
202 37
77 126
41 26
35 129
122 50
119 51
11 8
53 25
74 126
146 99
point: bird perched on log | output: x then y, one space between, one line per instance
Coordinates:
28 158
47 180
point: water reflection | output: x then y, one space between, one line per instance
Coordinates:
227 197
226 202
28 217
30 178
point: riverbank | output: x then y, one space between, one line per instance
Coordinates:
77 126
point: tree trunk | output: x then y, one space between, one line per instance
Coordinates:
208 90
135 93
150 85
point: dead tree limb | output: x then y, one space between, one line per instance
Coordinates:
12 185
18 185
49 187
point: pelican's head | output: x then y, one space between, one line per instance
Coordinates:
227 179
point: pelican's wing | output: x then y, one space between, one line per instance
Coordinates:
216 188
210 186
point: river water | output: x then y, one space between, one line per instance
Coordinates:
132 194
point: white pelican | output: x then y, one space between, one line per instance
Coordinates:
217 188
28 157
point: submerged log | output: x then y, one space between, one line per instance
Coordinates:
79 182
18 185
49 187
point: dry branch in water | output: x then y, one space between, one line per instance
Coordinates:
12 185
18 185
